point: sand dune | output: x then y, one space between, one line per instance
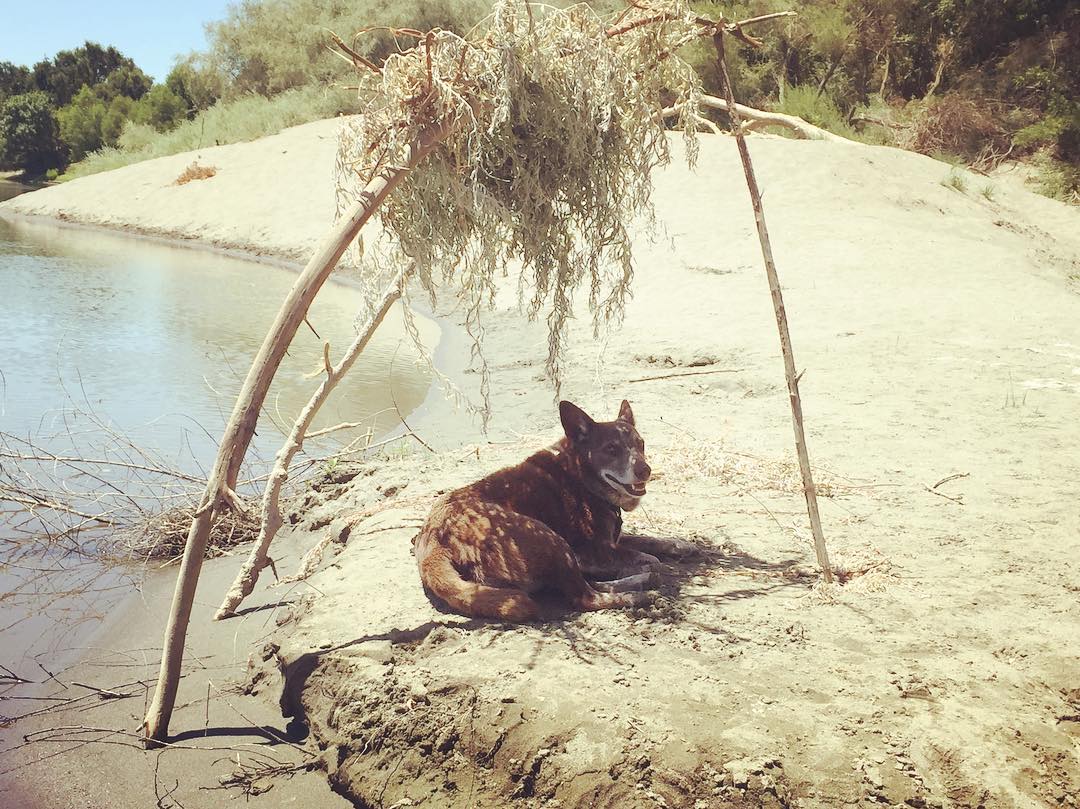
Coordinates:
939 330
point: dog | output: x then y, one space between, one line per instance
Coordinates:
544 525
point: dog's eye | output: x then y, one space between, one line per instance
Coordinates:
611 449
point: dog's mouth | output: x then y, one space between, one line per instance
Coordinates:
632 489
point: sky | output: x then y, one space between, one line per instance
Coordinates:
151 33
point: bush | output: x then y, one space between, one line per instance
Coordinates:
30 134
956 124
116 116
817 109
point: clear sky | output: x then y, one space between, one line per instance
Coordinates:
152 33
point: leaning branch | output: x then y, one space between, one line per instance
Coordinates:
781 317
271 520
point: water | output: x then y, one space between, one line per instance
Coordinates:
106 340
157 339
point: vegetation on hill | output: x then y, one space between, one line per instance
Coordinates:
76 103
971 81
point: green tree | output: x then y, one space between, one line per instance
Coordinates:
198 85
112 123
30 134
65 74
80 123
127 80
14 80
161 108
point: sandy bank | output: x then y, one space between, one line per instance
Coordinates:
271 197
940 333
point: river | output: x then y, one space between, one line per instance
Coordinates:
107 341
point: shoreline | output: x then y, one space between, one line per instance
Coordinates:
164 239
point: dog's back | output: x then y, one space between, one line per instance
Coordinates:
486 548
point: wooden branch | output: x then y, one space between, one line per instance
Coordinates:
760 118
959 499
241 426
271 520
685 373
781 317
951 477
356 58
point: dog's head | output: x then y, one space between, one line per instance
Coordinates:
611 453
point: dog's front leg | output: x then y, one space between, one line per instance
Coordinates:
639 581
618 563
659 546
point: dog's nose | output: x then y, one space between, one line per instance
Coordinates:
642 470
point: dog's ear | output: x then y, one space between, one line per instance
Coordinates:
576 422
626 414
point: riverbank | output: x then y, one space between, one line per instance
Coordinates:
938 324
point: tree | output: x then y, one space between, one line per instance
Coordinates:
66 73
126 80
161 108
112 123
14 80
199 86
30 134
81 123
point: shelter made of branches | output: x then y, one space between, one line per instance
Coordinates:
554 127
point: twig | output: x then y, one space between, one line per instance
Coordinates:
686 373
105 692
950 477
959 500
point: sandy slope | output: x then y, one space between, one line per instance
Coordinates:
940 333
273 196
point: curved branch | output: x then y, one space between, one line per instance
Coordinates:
757 119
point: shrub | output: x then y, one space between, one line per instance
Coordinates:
161 108
817 109
960 125
30 134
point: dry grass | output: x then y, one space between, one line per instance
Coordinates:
163 534
195 172
555 128
959 125
687 459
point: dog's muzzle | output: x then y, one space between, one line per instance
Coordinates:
632 489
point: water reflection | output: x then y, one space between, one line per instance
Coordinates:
156 339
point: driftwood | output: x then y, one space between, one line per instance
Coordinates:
220 488
781 317
271 509
752 120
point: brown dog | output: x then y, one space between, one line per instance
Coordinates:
542 525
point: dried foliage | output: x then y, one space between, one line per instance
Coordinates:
163 534
958 125
555 129
195 172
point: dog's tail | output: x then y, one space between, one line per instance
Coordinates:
443 580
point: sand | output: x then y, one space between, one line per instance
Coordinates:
939 331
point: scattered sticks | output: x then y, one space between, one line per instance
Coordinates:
959 499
